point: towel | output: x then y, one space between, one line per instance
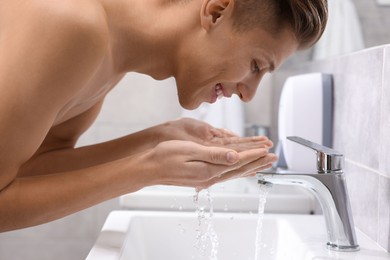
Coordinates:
343 33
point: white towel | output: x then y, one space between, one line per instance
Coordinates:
343 32
225 113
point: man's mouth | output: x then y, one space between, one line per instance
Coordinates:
219 91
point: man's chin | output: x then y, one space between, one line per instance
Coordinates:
189 105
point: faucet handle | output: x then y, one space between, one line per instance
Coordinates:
328 160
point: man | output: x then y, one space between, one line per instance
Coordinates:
58 60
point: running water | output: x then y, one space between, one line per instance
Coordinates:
206 235
262 199
205 231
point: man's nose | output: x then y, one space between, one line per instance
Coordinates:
247 88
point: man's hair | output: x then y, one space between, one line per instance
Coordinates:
306 18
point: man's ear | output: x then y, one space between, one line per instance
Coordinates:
214 11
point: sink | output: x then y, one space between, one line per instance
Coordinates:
239 195
153 235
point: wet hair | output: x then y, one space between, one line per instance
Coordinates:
306 18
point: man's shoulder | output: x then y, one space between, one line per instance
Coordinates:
73 15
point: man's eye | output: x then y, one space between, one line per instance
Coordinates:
255 67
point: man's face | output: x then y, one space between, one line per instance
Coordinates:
224 62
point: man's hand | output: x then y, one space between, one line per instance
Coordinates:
205 134
186 163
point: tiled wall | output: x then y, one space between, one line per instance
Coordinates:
362 121
374 18
362 132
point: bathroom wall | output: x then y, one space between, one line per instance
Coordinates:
362 132
374 20
362 120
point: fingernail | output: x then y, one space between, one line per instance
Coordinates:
232 157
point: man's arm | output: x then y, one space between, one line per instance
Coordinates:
59 155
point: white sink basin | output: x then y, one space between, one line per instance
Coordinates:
240 195
152 235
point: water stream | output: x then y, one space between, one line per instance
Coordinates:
262 199
206 235
207 238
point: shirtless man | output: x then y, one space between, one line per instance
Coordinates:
59 59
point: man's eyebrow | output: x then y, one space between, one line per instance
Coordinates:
271 63
269 60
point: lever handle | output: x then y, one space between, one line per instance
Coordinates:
316 147
328 160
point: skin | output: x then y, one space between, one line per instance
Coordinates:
59 59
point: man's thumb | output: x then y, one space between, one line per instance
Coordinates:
232 157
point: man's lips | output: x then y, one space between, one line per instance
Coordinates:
220 92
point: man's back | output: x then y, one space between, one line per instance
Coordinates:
55 54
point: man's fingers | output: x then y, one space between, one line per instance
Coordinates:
249 156
222 132
219 160
249 169
247 161
214 155
214 164
242 143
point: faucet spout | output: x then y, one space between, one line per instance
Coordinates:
329 187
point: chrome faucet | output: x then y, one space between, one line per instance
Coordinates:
329 186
